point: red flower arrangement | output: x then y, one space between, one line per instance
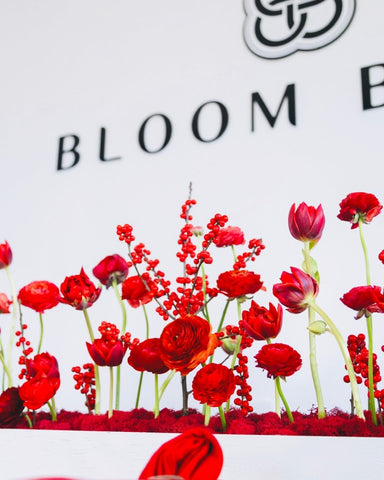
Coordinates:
191 337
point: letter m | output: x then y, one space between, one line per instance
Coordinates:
289 96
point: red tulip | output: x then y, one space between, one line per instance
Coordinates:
5 255
105 353
111 268
306 223
78 291
359 206
295 290
365 300
39 295
145 356
262 323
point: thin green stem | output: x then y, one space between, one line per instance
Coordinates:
371 398
312 342
5 367
96 367
52 408
146 322
41 332
157 408
89 326
15 310
28 420
277 400
347 359
123 328
234 253
287 409
166 382
222 418
236 351
139 390
223 316
110 409
207 416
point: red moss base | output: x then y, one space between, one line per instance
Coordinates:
337 423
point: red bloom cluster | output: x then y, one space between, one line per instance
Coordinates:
295 290
110 269
146 357
365 300
238 283
78 291
278 359
187 342
262 323
39 295
306 223
193 455
213 384
359 206
43 380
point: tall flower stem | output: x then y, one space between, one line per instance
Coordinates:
166 382
96 367
312 342
277 394
222 418
207 416
142 373
123 328
15 309
236 351
110 409
5 367
283 399
52 409
185 394
156 409
41 332
371 397
347 359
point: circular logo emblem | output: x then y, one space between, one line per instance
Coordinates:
278 28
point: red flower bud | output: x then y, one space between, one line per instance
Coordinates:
107 353
359 206
295 290
278 359
78 291
5 255
111 268
306 223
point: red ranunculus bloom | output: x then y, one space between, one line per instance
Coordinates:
193 455
228 236
106 353
381 256
261 323
365 300
213 384
43 381
78 291
306 223
5 255
359 206
278 359
4 303
111 268
295 290
187 342
136 292
11 405
40 295
238 283
145 357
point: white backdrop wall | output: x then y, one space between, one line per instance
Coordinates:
72 68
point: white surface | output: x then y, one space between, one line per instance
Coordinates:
122 456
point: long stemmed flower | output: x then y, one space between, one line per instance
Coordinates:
297 291
358 208
306 224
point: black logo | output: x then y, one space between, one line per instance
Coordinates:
278 28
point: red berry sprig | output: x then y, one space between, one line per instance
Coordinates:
85 382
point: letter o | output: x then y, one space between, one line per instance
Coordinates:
168 133
223 126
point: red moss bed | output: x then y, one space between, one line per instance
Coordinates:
337 423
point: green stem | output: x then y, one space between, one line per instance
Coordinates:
371 398
146 322
89 326
156 409
236 351
222 418
277 400
123 328
15 309
5 367
347 359
28 420
223 316
52 409
287 409
139 390
207 416
166 382
234 253
41 332
110 409
312 343
96 367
